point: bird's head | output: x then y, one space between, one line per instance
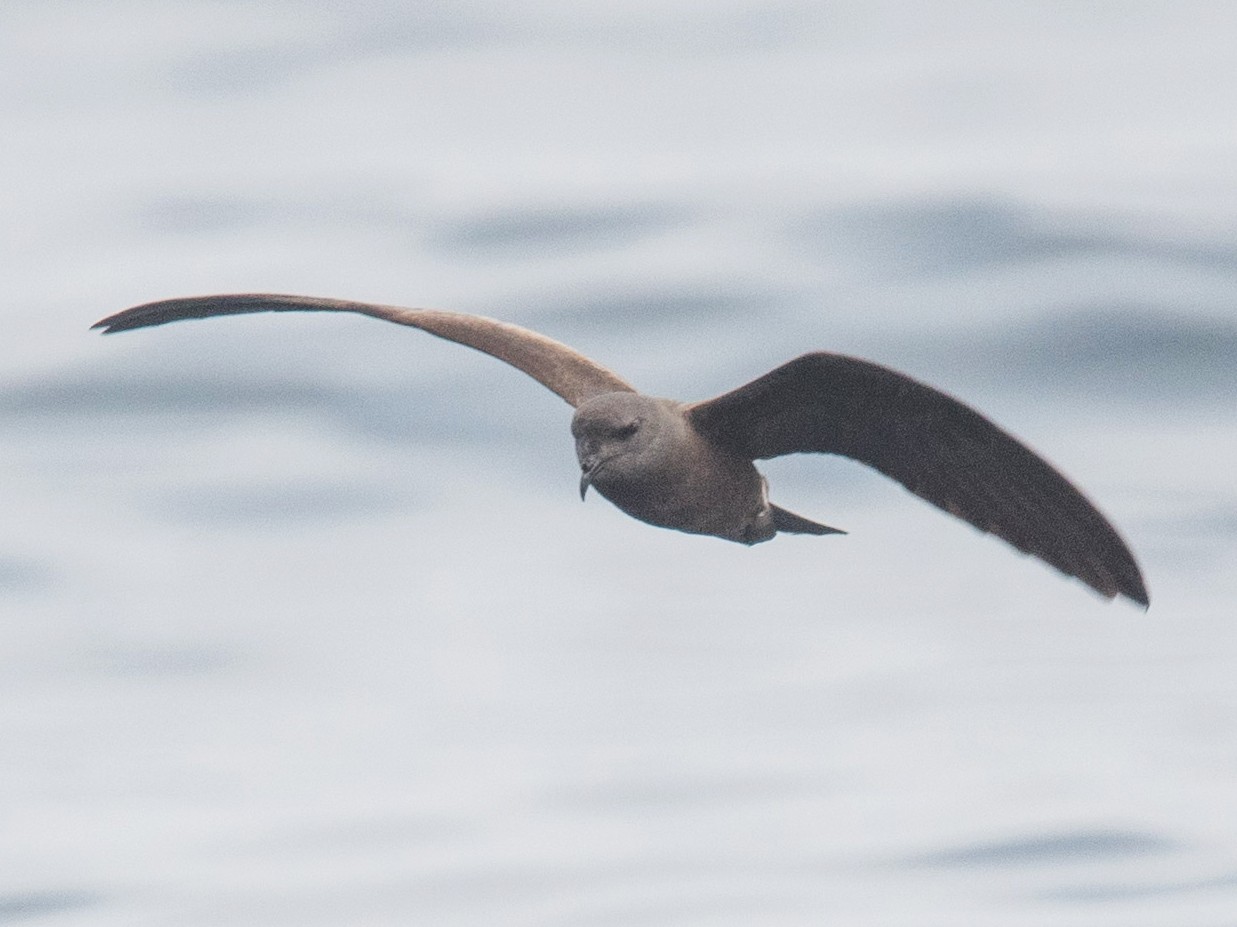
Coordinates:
615 434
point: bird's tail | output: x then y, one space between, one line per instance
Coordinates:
791 523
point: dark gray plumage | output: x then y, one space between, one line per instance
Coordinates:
690 466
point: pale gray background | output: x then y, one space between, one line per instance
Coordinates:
300 620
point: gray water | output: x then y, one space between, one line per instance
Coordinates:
301 621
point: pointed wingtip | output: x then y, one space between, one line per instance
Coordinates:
1134 588
119 322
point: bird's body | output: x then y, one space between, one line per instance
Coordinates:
690 466
678 479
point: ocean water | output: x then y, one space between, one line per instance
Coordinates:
301 621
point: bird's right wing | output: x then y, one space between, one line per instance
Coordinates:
935 446
555 366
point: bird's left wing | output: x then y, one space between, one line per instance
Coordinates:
555 366
934 445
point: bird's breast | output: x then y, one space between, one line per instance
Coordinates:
693 487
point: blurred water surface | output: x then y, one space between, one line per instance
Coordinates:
300 619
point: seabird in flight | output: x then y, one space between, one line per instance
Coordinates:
690 465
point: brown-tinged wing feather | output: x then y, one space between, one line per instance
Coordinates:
935 446
555 366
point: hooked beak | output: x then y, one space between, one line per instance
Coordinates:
590 466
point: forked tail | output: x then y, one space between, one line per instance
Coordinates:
791 523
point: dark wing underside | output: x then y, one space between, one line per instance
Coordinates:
559 368
938 448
